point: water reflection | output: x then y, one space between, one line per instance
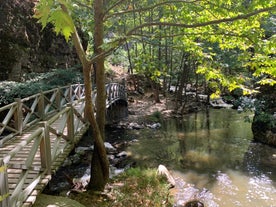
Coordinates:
213 150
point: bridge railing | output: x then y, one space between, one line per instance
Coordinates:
114 92
45 146
22 167
23 113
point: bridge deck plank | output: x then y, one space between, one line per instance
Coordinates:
17 163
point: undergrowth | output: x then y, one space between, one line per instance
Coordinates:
136 187
36 82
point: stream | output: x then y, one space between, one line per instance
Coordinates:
213 159
210 154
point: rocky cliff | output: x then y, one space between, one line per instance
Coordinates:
25 47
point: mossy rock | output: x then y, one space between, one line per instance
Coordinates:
44 200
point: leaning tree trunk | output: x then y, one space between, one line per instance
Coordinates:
99 163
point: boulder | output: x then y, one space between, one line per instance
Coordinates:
163 171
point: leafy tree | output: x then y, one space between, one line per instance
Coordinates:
59 14
232 24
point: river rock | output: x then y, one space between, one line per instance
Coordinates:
122 154
154 126
115 171
219 103
163 171
109 148
81 150
134 125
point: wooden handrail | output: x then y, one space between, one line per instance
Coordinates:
23 113
48 140
64 109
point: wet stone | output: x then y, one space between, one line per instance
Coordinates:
194 203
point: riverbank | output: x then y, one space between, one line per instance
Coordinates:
136 186
143 112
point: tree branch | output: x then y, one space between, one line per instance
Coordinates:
150 7
77 42
201 24
110 50
113 6
84 5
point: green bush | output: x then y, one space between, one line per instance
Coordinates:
119 57
155 117
34 83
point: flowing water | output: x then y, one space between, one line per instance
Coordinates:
213 158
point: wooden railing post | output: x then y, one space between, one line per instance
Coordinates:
41 106
108 92
79 91
70 93
58 99
4 186
45 148
18 116
70 123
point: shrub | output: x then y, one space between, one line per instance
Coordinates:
155 117
34 83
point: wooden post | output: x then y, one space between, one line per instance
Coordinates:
18 116
45 149
41 106
70 123
70 93
58 99
4 185
79 91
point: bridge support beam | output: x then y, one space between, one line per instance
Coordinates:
116 112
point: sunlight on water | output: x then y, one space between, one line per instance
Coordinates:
236 189
213 158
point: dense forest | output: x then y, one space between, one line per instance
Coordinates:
220 49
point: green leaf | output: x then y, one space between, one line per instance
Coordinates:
63 23
42 11
267 81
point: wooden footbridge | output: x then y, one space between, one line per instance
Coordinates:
38 132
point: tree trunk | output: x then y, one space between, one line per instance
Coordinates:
100 77
99 163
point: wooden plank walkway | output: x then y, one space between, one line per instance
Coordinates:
24 157
32 150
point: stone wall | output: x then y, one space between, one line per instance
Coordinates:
25 47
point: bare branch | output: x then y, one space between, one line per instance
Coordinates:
202 24
113 6
105 53
83 5
150 7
